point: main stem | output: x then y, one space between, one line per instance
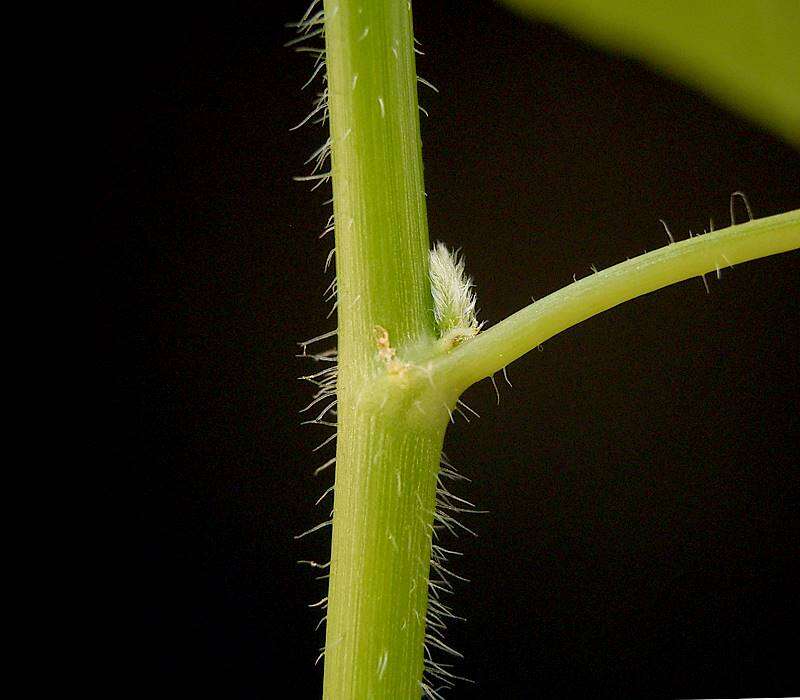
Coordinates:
387 459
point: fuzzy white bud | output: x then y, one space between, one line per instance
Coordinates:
453 298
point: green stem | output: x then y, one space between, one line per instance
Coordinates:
526 329
387 456
377 598
379 195
392 411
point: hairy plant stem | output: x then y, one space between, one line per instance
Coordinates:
396 382
381 555
385 467
526 329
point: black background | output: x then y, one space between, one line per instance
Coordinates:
641 476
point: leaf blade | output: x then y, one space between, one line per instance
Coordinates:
744 53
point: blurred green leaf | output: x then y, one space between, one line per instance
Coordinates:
744 53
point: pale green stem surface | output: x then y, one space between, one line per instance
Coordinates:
385 468
379 195
381 555
526 329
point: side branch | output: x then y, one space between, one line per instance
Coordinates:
492 350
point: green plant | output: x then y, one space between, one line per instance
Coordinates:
408 346
745 54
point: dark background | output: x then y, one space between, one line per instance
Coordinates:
641 476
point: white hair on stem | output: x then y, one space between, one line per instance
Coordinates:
437 675
311 27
